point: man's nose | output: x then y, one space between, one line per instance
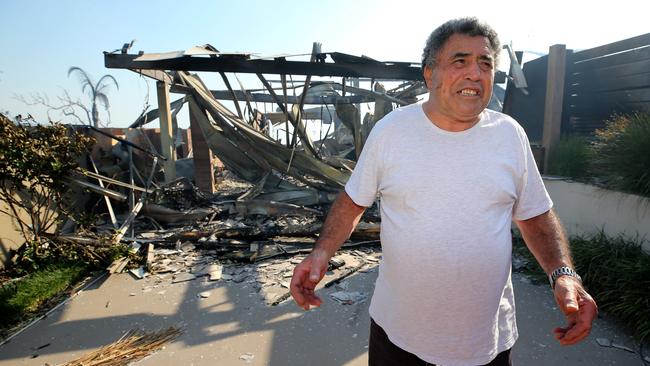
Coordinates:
474 72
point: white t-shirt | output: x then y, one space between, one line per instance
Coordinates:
447 201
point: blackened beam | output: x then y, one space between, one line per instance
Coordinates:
264 98
291 99
154 114
232 93
127 143
267 98
188 63
156 74
297 124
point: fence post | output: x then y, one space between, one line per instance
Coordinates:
554 99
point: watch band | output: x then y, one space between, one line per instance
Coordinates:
562 271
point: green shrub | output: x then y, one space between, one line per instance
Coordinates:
570 157
617 273
622 153
35 163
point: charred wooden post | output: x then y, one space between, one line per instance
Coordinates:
166 140
203 156
286 110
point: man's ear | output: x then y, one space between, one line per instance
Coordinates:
427 73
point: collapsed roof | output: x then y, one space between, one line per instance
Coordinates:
298 170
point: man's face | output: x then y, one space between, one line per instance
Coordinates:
460 83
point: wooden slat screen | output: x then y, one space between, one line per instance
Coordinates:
607 80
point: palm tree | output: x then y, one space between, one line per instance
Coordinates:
96 92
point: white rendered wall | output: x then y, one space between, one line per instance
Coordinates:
586 209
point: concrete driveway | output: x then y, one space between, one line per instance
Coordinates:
233 326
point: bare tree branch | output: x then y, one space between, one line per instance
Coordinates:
69 106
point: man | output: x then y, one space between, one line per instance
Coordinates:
451 177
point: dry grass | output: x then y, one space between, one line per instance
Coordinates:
133 346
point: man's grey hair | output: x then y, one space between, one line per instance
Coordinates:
469 26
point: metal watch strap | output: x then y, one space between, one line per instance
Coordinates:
562 271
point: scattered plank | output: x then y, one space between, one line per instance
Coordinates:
345 274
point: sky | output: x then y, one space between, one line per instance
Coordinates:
40 40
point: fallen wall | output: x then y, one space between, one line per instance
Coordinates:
586 209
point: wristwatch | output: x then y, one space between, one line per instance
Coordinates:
562 271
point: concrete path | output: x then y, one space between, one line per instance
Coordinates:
233 326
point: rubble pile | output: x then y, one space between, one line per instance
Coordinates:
269 278
256 243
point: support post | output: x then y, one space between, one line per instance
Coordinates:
358 143
166 140
286 111
554 99
203 168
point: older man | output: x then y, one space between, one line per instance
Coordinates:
451 176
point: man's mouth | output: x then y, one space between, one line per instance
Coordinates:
469 92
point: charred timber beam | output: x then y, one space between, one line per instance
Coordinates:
156 75
232 93
188 63
296 123
291 99
238 95
127 143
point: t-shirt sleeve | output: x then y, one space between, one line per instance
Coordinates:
532 199
363 185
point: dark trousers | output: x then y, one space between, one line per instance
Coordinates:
383 352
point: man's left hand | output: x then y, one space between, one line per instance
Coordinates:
579 308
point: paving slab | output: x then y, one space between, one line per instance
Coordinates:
234 326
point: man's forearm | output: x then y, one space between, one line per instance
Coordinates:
545 238
341 220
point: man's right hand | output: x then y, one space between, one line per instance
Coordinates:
306 276
343 216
